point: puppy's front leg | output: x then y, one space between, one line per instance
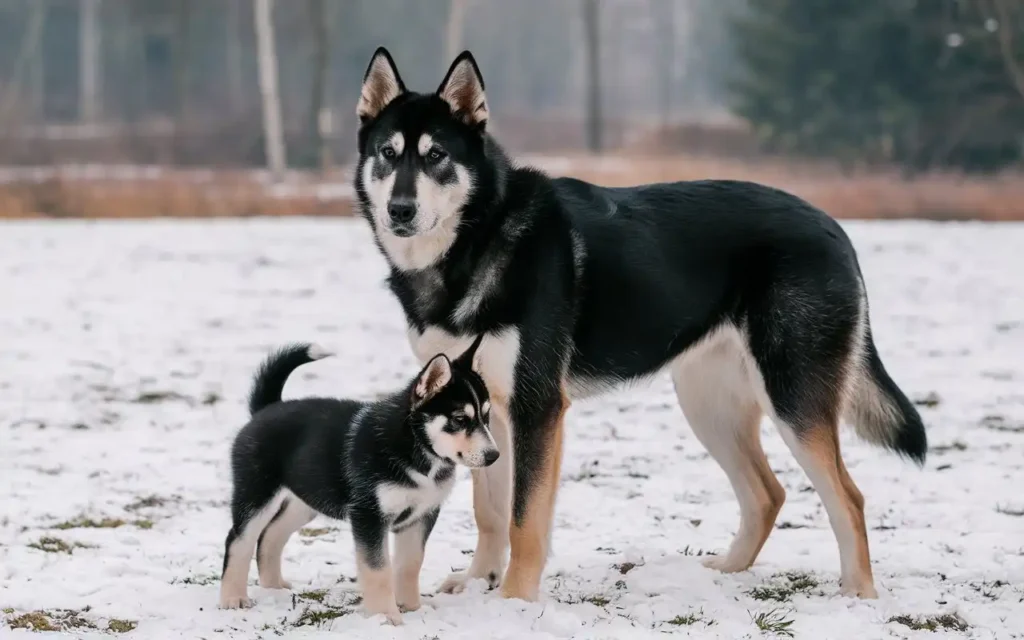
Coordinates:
373 567
409 546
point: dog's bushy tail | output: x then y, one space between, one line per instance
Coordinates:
274 371
881 413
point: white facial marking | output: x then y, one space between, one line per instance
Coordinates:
479 444
397 142
486 407
443 444
425 143
469 411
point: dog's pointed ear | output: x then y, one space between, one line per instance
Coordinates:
468 358
381 85
463 90
433 378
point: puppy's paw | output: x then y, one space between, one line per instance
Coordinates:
235 602
394 617
724 564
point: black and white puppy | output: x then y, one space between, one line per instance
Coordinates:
385 465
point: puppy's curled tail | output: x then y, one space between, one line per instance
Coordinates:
881 413
274 371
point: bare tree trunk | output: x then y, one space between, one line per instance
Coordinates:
665 26
273 135
181 76
89 61
319 112
1007 47
591 43
236 90
453 30
28 51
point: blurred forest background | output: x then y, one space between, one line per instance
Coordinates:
868 108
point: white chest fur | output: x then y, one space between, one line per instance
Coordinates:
425 494
496 356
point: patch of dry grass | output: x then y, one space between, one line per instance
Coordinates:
172 194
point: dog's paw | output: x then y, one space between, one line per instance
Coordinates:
393 617
863 591
405 605
235 602
724 564
279 583
456 582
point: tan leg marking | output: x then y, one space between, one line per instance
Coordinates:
408 562
378 589
530 541
818 453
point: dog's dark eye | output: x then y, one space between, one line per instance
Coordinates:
459 421
435 155
388 153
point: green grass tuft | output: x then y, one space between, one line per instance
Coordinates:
50 544
774 621
121 626
946 621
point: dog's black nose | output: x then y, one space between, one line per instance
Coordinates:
402 212
490 456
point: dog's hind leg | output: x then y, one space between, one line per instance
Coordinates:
292 516
806 340
816 448
249 518
720 404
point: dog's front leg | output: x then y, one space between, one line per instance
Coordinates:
537 411
409 546
492 509
373 567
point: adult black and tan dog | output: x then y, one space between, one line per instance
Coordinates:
752 298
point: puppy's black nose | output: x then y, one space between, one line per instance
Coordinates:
402 212
490 456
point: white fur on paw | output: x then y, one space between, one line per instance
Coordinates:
455 583
865 592
722 563
235 602
275 584
394 617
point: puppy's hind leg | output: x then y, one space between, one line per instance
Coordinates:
292 516
250 517
720 403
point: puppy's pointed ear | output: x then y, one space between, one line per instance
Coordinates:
468 357
463 90
433 378
381 85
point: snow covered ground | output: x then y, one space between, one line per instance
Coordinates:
126 351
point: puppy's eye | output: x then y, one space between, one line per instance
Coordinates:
388 153
435 155
459 421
